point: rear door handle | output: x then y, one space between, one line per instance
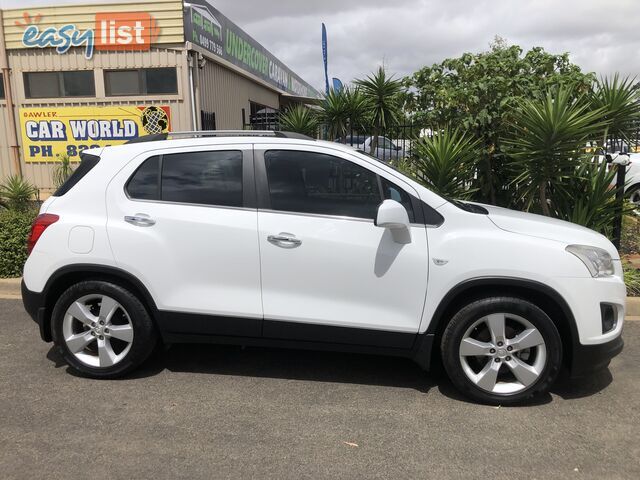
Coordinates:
285 240
140 220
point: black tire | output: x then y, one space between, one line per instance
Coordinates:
145 337
465 318
632 193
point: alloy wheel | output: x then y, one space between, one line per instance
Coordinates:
97 330
503 353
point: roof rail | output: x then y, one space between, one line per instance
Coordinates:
219 133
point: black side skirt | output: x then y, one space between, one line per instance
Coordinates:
177 327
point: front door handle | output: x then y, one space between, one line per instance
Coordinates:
285 240
140 220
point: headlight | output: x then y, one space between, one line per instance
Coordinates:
597 260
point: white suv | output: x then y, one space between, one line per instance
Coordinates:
271 239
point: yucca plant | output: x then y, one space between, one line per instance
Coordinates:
300 119
588 198
16 193
382 94
62 170
446 162
619 101
334 114
547 143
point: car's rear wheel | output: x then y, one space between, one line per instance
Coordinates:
501 350
102 329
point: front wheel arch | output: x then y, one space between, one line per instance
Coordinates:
541 295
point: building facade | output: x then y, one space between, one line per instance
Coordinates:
79 76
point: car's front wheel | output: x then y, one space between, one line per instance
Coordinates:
102 329
501 350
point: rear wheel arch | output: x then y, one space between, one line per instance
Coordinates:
65 277
543 296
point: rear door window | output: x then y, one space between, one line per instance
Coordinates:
205 178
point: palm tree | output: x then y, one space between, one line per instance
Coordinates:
300 119
382 96
334 114
547 143
619 98
446 162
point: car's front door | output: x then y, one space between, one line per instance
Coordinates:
328 273
185 225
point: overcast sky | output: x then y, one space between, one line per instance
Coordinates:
602 36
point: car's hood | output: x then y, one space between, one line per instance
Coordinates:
549 228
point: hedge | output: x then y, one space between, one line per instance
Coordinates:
15 226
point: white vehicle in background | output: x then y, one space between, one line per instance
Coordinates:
386 150
632 178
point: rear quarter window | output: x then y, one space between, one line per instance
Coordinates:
87 162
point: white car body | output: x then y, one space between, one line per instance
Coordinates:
207 262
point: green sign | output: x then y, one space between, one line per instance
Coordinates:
206 27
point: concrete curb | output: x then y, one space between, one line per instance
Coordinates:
10 288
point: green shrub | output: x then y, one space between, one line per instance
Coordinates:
631 279
15 226
16 193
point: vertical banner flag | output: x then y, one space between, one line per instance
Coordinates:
324 57
337 85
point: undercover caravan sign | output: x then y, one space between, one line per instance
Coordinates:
206 27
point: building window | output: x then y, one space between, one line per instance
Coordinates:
59 84
263 117
1 87
147 81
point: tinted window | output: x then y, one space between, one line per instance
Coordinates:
122 82
141 82
78 84
393 192
161 80
144 184
59 84
1 88
309 182
211 178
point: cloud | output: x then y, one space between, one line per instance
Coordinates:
408 34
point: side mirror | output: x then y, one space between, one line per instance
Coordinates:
394 216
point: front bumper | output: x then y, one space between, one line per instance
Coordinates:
34 304
592 358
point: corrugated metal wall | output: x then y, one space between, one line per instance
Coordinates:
38 60
6 162
167 14
226 93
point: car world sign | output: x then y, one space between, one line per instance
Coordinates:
50 132
112 31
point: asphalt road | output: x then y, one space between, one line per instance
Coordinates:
223 412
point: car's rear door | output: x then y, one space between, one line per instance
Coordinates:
185 224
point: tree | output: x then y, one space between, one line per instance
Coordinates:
445 162
299 119
334 114
547 144
479 92
381 94
619 98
